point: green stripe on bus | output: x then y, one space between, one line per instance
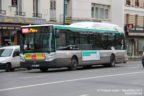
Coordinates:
88 53
82 29
55 39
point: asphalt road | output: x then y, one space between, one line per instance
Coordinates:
122 80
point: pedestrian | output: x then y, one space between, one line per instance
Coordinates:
143 61
143 64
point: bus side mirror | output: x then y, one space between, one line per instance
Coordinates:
16 54
122 42
57 34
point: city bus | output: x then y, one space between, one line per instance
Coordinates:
79 44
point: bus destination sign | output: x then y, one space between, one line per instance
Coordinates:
29 30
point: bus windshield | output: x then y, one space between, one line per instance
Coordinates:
37 39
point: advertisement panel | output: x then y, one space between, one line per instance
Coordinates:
90 55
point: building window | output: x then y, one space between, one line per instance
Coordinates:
19 10
52 10
0 4
3 12
100 12
68 8
36 8
128 2
92 11
137 3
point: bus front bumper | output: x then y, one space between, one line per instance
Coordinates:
46 64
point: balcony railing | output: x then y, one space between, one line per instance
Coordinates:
20 13
37 15
135 31
2 12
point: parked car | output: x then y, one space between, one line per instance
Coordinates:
9 58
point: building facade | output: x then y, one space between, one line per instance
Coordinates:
96 10
134 26
15 13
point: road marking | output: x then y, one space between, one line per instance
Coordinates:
84 95
31 77
66 81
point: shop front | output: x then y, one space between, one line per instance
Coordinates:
9 27
135 43
8 34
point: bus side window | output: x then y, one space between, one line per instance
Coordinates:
61 41
118 41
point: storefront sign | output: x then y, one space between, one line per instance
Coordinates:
7 19
68 20
90 55
29 30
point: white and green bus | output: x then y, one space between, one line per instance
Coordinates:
79 44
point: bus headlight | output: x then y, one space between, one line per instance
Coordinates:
22 58
49 57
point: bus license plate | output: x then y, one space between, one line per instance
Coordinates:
35 65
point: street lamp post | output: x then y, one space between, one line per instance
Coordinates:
64 12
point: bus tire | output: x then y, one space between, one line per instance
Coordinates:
43 69
28 68
74 63
8 67
112 61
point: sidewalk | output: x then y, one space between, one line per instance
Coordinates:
134 58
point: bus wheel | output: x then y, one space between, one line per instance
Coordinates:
8 67
28 68
112 61
43 69
74 63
